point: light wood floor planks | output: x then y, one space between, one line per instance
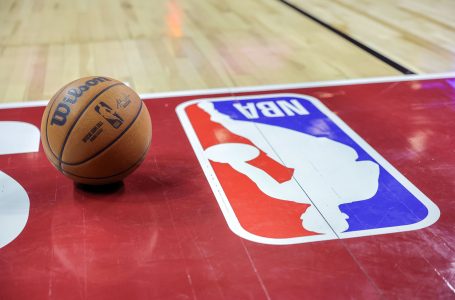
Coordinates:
419 35
168 45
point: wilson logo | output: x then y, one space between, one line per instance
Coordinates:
63 109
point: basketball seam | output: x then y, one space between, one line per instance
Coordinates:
77 119
107 146
53 99
118 174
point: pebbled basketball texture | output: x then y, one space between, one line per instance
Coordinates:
96 130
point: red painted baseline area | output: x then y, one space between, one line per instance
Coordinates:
162 234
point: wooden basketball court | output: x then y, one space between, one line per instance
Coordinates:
300 150
159 46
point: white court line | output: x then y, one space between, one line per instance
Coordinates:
262 88
23 104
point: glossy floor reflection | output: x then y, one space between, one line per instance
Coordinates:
162 233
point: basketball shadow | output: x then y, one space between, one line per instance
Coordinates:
137 188
150 183
105 189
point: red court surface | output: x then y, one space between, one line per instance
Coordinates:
163 235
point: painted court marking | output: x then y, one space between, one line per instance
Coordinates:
334 170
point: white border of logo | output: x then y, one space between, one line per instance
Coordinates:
229 214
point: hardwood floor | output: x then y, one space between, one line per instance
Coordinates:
417 34
168 46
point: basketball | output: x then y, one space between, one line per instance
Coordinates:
96 130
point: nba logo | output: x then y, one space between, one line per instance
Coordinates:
286 170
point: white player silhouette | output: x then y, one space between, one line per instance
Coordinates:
325 171
15 137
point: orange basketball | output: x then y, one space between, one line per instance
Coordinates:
96 130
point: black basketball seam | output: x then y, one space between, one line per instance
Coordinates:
77 119
109 145
53 99
117 174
